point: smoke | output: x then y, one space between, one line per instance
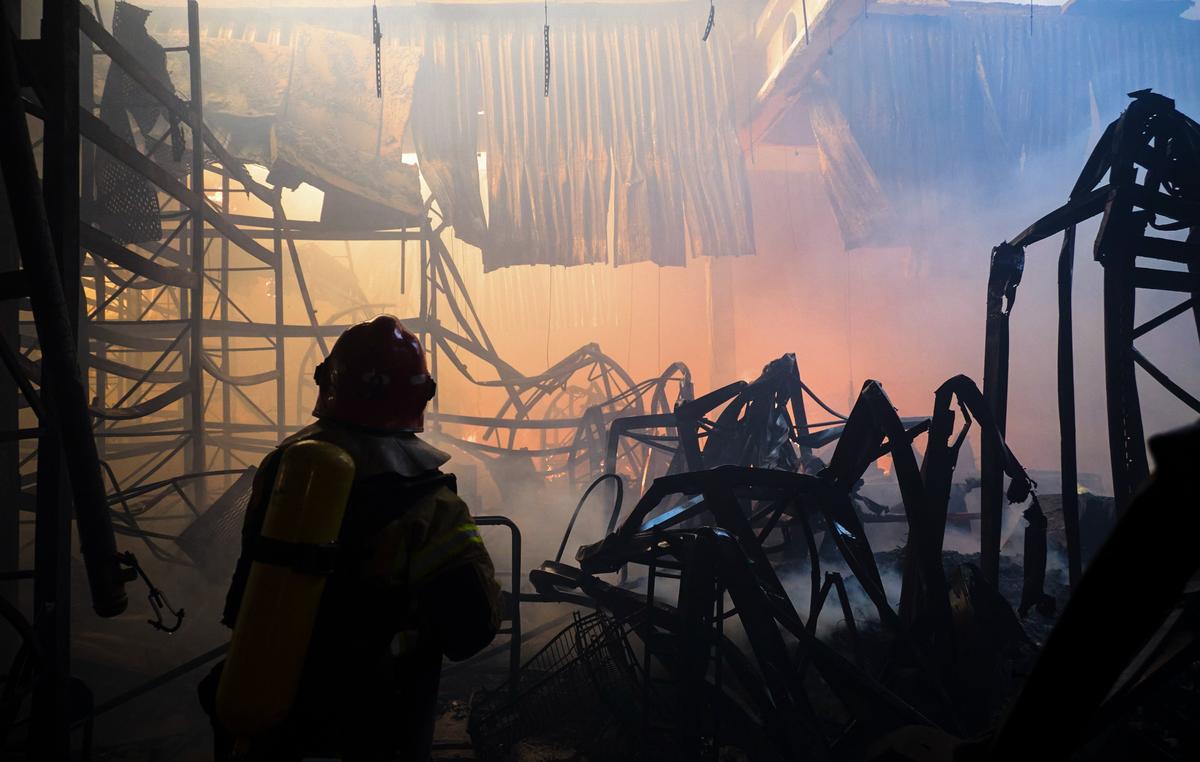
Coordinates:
798 584
912 315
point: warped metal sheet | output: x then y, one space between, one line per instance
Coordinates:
333 128
863 211
126 199
212 539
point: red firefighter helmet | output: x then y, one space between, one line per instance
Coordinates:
375 377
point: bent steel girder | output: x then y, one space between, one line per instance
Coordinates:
716 492
1008 265
937 468
757 427
713 564
874 428
760 423
602 434
548 405
20 678
748 503
1151 138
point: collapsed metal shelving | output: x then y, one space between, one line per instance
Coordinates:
168 331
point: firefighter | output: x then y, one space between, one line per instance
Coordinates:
411 581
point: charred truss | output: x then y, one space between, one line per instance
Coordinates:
760 423
710 528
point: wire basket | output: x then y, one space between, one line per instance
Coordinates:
580 689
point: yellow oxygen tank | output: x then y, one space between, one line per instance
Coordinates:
275 622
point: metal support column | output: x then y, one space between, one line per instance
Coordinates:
428 309
52 543
10 453
87 198
10 420
1066 406
196 458
1008 263
280 387
223 296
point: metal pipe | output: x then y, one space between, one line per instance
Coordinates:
1008 263
1066 407
196 454
514 653
226 402
280 386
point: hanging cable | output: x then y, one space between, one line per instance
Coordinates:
712 15
546 41
377 36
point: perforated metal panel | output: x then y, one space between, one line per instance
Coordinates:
126 202
213 539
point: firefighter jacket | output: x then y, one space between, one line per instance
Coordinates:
412 582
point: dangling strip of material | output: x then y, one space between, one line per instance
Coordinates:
546 40
377 36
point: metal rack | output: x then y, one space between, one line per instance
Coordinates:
1153 142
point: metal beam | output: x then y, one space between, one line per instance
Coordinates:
785 86
195 408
